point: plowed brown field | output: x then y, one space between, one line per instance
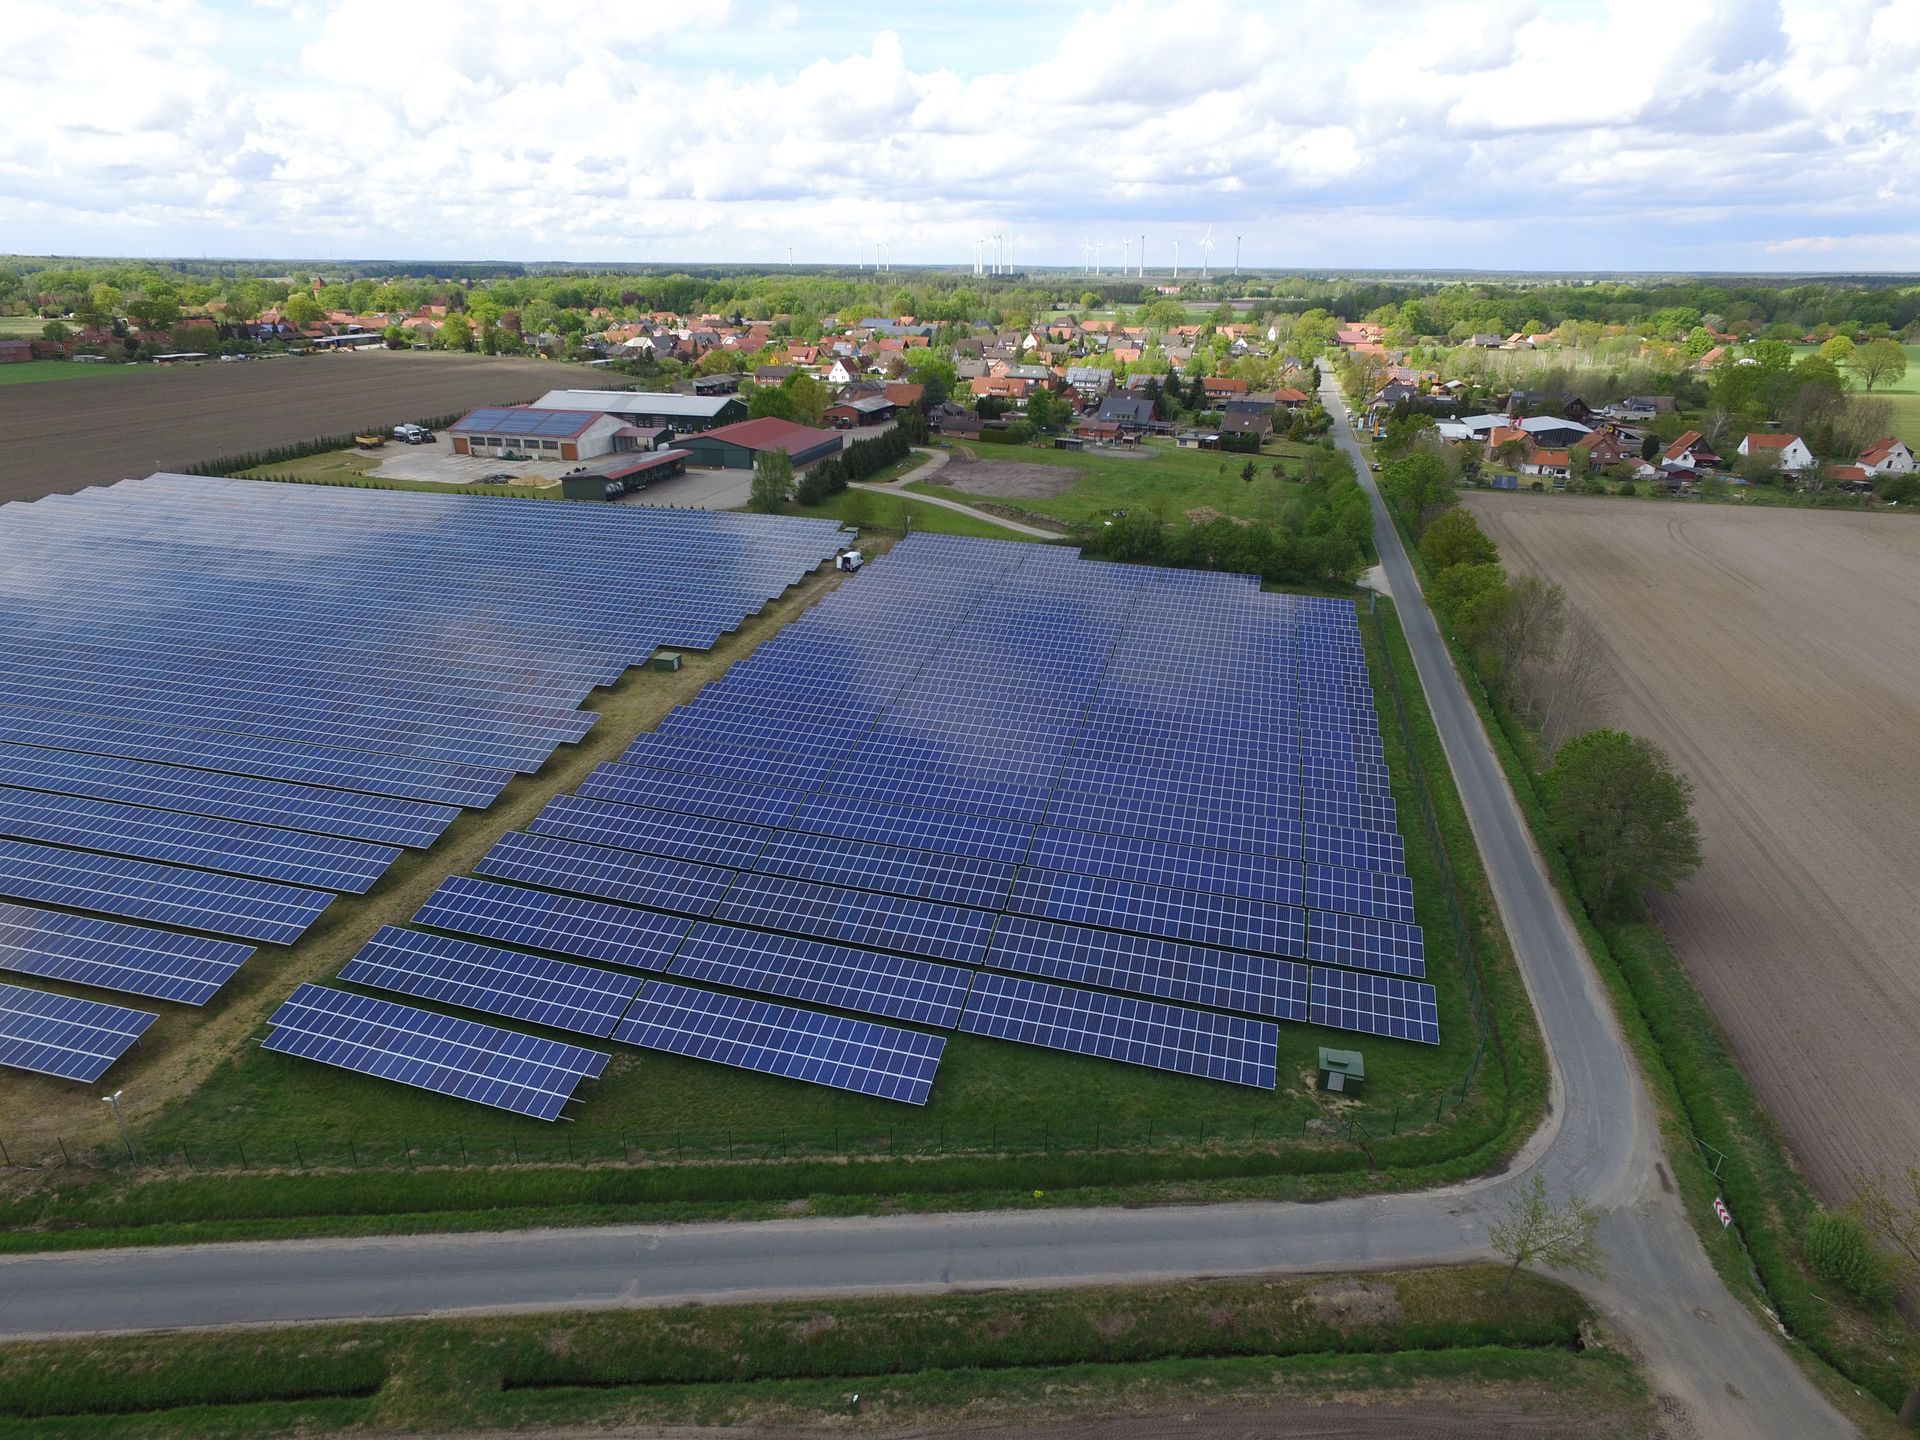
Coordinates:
1776 655
66 435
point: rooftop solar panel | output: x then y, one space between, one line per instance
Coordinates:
500 1068
1117 1027
830 1050
111 955
63 1037
534 988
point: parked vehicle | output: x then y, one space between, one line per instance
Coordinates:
413 434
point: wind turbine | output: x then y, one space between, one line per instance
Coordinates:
1098 246
1143 257
1206 251
1236 256
1176 259
859 253
1086 249
1126 256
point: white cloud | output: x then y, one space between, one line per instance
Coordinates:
1541 133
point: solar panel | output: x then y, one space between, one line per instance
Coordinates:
634 784
860 917
110 955
564 924
1355 847
1225 920
1375 1005
1153 862
1118 1027
239 849
63 1037
921 992
1360 892
658 832
626 875
981 836
1361 942
534 988
192 899
830 1050
1147 965
500 1068
895 869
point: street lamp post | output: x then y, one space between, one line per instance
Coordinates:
113 1103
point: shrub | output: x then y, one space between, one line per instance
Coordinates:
1839 1249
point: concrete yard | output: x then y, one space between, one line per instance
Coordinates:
1775 654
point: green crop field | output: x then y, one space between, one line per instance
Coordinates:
1159 477
1903 394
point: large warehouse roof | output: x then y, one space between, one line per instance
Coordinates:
636 402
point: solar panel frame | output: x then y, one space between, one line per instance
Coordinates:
1389 1006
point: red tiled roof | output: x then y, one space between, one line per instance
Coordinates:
768 433
1878 451
1845 472
1769 442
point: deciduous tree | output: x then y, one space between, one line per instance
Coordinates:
1454 537
772 481
1536 1230
1623 815
1879 362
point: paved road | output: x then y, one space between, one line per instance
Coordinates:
1721 1373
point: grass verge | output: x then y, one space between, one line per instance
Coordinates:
1015 1353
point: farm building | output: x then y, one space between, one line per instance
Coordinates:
684 414
620 473
499 430
15 351
867 410
733 447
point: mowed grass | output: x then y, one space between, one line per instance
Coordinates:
1162 477
895 513
1903 394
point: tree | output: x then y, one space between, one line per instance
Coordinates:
456 333
1454 537
772 481
1470 596
1623 816
1247 472
1837 352
302 310
1878 362
1565 1236
54 330
1045 410
773 401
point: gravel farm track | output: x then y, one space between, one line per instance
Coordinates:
64 435
1775 654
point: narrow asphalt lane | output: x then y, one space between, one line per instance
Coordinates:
1720 1373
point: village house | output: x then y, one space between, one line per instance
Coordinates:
1789 451
1886 456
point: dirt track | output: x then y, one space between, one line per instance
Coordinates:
1776 655
62 435
1011 479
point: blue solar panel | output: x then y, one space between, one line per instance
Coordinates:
921 992
1252 925
859 917
1385 1005
1118 1027
192 899
895 869
1361 942
256 850
534 988
658 832
627 875
1153 862
111 955
829 1050
564 924
63 1037
1355 848
501 1068
1359 892
520 421
981 836
377 818
1147 965
695 794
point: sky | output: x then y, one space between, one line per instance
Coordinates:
1615 135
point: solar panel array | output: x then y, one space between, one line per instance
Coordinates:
222 703
1114 811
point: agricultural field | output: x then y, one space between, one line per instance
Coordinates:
1904 394
1776 656
1079 487
67 437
